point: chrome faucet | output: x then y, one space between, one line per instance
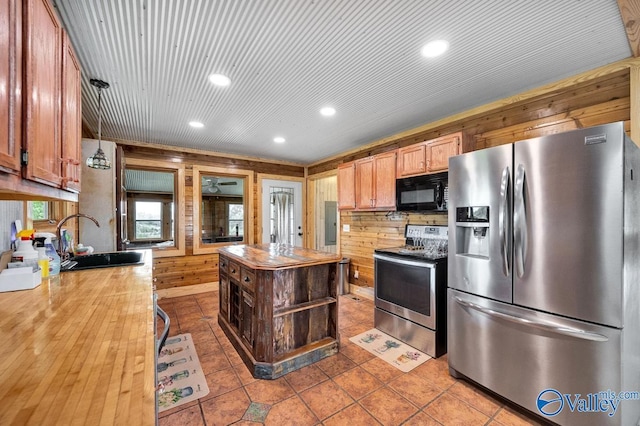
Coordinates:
58 228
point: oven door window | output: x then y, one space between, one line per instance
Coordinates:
405 285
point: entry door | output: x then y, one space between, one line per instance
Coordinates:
282 212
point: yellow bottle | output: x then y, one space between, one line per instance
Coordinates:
43 261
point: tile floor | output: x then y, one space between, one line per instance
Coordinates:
352 387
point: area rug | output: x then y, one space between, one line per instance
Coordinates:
390 349
180 376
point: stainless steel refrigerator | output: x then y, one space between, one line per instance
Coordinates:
544 274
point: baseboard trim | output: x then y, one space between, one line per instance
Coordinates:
186 290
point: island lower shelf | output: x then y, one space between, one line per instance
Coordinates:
279 319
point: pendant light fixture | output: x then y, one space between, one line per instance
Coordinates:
99 160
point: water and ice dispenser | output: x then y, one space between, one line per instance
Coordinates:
473 231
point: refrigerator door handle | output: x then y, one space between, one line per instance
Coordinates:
520 222
503 220
541 325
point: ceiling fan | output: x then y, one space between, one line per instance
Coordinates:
211 185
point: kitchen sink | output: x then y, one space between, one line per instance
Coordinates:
103 260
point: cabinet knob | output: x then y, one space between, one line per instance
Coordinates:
233 271
247 279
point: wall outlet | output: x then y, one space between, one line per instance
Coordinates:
346 227
356 274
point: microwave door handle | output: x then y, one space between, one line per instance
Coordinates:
439 194
520 222
503 220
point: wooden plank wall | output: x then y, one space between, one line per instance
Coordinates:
199 269
588 102
324 189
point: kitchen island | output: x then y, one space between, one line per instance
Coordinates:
79 349
279 306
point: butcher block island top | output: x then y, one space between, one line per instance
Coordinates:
279 306
79 349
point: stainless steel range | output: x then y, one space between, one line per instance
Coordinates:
410 289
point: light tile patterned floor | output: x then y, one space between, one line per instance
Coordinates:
351 388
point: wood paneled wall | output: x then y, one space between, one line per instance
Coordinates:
323 189
599 97
198 269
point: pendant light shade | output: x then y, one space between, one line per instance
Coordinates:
99 160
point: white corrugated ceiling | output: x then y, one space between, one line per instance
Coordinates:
289 58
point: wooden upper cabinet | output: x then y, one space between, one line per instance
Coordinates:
412 160
428 157
385 181
10 81
71 117
41 90
439 150
376 182
365 183
346 186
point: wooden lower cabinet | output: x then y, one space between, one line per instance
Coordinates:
279 319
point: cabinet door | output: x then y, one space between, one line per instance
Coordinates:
235 296
247 319
10 80
385 181
346 186
412 160
365 183
71 117
43 53
439 150
224 296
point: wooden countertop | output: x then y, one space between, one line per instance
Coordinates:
79 349
278 256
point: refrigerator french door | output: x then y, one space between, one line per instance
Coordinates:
543 272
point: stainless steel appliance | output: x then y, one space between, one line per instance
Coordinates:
426 193
410 289
544 260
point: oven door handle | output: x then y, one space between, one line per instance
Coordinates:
422 264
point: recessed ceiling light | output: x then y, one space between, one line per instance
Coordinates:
279 139
435 48
328 111
219 80
196 124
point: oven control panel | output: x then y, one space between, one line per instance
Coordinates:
426 231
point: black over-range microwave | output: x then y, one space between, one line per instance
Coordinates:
426 193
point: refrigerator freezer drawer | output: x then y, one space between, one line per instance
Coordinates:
519 354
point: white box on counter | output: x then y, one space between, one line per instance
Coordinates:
14 279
